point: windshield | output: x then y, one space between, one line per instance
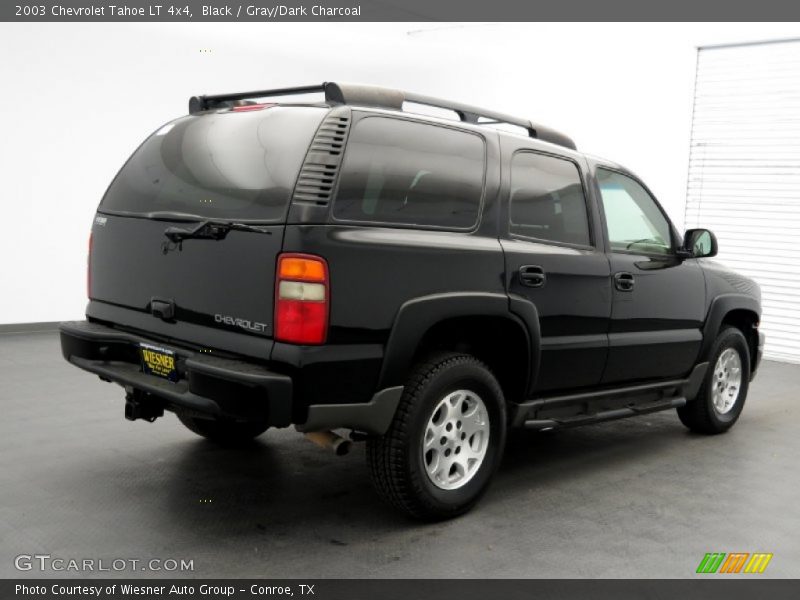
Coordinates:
232 165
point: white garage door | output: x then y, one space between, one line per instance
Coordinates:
744 174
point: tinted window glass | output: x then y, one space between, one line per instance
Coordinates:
547 200
411 173
633 218
232 165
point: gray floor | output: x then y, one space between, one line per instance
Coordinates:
635 498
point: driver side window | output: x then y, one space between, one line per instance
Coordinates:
634 221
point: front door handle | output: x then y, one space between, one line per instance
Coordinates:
532 276
624 282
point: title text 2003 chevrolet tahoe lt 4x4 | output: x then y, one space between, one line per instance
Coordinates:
426 283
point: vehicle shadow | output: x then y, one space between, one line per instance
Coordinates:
282 493
276 484
282 484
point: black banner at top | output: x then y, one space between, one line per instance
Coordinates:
396 10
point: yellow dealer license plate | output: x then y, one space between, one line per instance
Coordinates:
158 361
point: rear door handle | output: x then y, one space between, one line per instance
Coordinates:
624 282
532 276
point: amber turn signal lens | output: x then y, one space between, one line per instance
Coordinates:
301 269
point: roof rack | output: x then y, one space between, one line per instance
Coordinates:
379 97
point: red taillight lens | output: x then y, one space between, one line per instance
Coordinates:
302 299
249 107
89 268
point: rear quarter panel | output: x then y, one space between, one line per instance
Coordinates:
375 269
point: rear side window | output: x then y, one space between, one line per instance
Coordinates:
403 172
231 165
547 200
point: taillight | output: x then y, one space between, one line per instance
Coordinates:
89 268
302 299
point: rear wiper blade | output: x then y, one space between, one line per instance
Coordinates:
210 230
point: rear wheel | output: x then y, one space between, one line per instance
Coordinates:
222 431
721 399
446 439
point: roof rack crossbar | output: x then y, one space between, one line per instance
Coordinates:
200 103
367 95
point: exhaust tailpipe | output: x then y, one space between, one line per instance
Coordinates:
330 441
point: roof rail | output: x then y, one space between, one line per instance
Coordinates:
379 97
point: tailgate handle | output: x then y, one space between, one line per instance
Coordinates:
163 309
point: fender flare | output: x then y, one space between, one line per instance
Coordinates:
719 307
415 318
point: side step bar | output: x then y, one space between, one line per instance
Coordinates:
608 415
580 408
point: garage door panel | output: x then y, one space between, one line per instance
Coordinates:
729 206
744 174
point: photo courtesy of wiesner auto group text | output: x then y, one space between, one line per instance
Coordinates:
399 299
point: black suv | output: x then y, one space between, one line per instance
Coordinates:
424 282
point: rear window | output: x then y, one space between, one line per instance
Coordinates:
403 172
231 165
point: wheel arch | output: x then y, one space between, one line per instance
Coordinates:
737 310
499 330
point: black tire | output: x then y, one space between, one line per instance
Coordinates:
222 431
396 460
699 414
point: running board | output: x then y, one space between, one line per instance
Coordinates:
607 415
684 390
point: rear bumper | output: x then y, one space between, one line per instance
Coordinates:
210 385
224 387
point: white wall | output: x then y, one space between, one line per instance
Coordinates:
76 99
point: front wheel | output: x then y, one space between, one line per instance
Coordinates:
446 439
721 399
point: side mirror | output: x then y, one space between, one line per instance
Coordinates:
698 243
